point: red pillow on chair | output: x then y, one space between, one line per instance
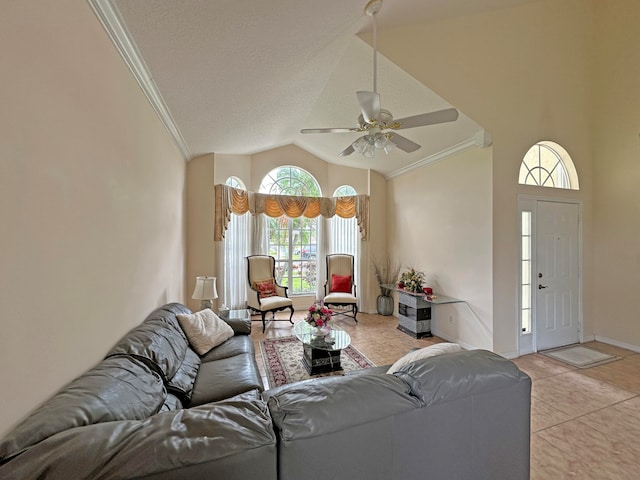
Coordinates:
266 288
341 283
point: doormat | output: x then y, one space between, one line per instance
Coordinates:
282 359
580 356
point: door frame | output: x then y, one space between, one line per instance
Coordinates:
527 341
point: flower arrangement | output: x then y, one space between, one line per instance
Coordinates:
412 280
318 315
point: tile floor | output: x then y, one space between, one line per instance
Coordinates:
585 423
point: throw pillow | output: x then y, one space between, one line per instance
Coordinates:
340 283
266 288
430 351
205 330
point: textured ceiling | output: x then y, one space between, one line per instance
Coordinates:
241 76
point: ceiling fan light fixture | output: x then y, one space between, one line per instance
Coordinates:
389 147
380 140
360 144
369 151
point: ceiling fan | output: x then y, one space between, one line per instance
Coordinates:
375 121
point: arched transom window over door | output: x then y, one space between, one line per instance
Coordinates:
293 241
548 164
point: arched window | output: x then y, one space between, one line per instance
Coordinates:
344 235
344 191
236 248
235 182
293 241
548 164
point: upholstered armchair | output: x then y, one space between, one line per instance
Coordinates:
339 289
264 295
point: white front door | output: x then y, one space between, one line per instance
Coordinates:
556 279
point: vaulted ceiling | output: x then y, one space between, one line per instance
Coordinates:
241 76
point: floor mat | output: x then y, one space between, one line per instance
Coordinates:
580 356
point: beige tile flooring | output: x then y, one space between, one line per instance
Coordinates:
585 423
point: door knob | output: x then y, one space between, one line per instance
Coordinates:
540 287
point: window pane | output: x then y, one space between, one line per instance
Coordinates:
544 165
526 321
526 223
526 296
526 248
526 272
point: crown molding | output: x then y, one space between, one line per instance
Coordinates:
108 15
478 140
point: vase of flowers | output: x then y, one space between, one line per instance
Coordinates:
318 318
412 280
386 274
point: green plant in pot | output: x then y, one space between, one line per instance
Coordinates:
386 274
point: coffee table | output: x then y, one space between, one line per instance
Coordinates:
321 354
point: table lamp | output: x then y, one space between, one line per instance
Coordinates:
205 291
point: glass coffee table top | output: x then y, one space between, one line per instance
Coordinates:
336 339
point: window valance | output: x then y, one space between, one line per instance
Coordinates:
232 200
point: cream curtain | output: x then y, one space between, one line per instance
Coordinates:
231 200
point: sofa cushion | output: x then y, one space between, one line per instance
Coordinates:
171 404
156 343
223 378
182 382
205 330
330 404
234 346
436 380
167 313
118 388
232 439
426 352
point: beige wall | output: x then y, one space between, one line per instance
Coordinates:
616 146
442 225
91 201
200 210
523 74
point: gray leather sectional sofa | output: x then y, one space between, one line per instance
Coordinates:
154 409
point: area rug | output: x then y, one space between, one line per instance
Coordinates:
283 361
580 356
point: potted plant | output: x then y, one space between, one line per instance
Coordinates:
386 274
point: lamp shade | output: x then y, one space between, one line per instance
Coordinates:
205 288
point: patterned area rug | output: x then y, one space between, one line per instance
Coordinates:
283 361
579 356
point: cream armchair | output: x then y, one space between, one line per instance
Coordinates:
339 289
263 292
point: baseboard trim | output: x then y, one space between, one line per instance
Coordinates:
615 343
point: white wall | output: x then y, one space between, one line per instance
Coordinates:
442 225
523 74
91 201
616 69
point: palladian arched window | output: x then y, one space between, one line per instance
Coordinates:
293 241
548 164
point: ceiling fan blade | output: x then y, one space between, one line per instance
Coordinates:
404 143
330 130
370 105
432 118
347 151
